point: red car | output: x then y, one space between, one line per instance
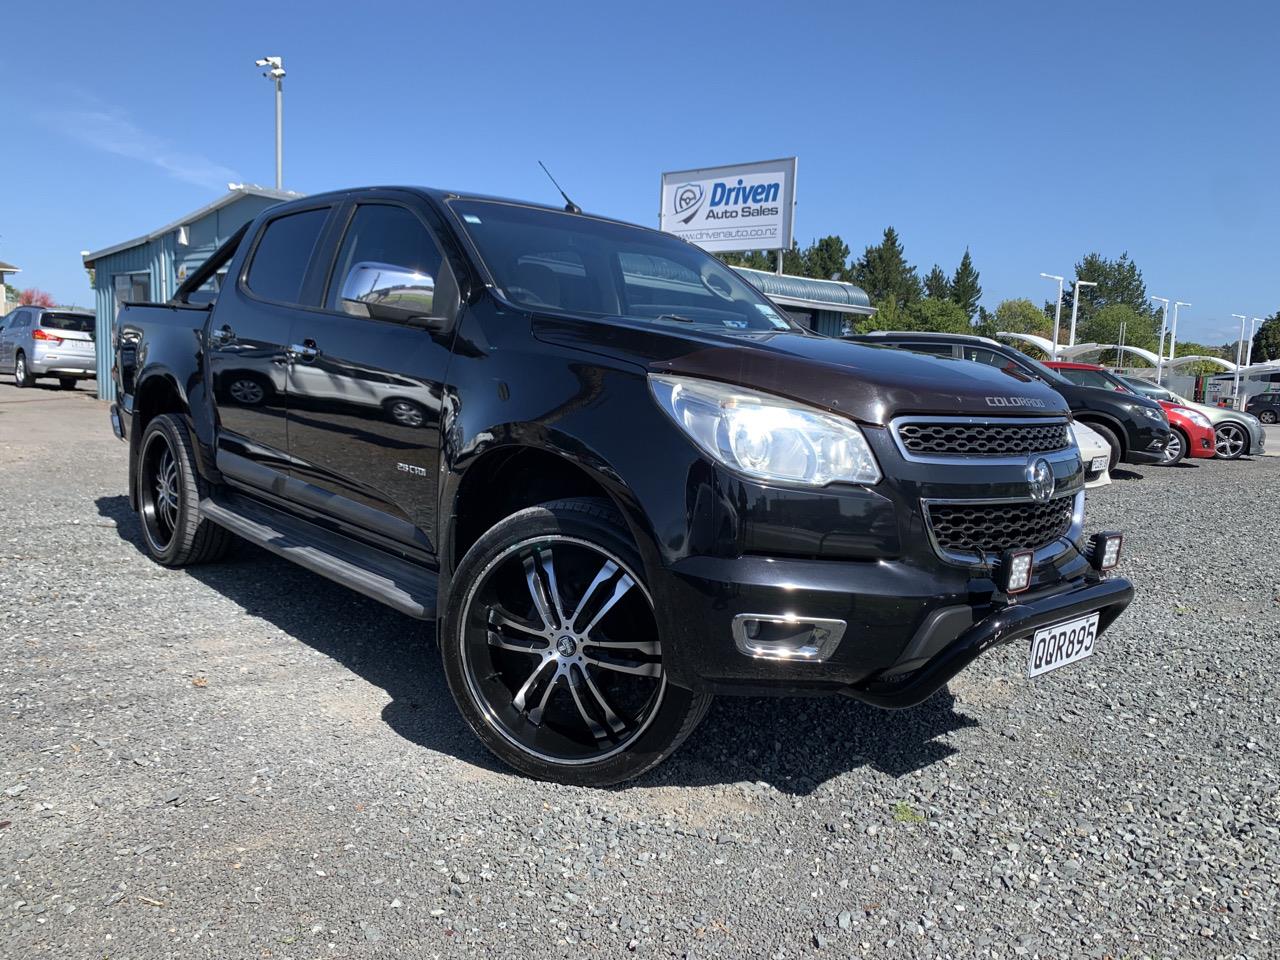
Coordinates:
1192 431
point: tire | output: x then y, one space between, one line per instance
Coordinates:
1231 440
1109 435
601 715
67 383
21 373
1267 416
169 491
1177 449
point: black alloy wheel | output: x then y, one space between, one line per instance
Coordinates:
552 649
168 492
159 492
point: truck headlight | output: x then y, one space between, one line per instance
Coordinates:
765 436
1195 416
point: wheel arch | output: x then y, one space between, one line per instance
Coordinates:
522 474
1090 417
155 392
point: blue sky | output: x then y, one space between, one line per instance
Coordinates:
1031 133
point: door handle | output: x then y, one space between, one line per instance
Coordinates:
223 334
306 350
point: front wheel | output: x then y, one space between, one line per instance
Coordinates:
1109 435
1230 441
552 650
1175 449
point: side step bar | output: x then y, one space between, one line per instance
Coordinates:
408 587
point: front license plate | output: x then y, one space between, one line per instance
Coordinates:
1098 463
1063 643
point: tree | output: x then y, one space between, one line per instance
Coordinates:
1022 316
826 259
938 316
33 297
936 284
965 288
1104 326
888 316
1118 282
1266 342
883 272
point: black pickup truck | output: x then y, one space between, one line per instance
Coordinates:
619 478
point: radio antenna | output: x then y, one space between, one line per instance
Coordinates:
569 205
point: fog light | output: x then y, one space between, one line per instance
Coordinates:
1017 570
1104 552
786 636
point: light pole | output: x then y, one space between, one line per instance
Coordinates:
1235 390
1057 314
1164 322
1173 334
1075 307
275 72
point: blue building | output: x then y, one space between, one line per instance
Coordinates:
824 306
151 267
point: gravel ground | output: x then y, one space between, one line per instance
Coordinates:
243 760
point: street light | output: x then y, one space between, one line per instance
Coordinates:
1173 335
1235 390
1075 307
275 72
1057 314
1164 322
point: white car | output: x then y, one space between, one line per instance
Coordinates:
1096 455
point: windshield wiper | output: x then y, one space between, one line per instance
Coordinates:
676 317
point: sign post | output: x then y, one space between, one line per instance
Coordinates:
747 206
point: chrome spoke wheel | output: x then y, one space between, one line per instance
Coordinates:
1229 440
1173 449
20 371
160 491
560 650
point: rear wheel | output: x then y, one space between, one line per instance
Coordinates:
1176 449
1230 441
169 491
552 651
67 383
1113 441
21 374
1267 416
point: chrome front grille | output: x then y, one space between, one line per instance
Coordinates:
928 438
973 529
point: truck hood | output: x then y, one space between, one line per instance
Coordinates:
868 383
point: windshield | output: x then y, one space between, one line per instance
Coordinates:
1093 378
547 260
1150 390
78 322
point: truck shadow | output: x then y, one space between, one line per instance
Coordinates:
794 745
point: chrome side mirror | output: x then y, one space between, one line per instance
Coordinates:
384 291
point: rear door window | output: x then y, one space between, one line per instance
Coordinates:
283 254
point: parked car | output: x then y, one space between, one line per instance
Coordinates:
1135 428
643 485
1095 454
1236 433
1193 434
46 342
1264 406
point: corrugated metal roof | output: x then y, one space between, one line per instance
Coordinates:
233 193
809 292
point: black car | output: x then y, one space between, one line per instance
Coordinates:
630 481
1264 406
1135 427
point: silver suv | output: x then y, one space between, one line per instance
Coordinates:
48 342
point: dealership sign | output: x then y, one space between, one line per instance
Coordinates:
747 206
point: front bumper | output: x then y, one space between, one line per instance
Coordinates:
904 630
